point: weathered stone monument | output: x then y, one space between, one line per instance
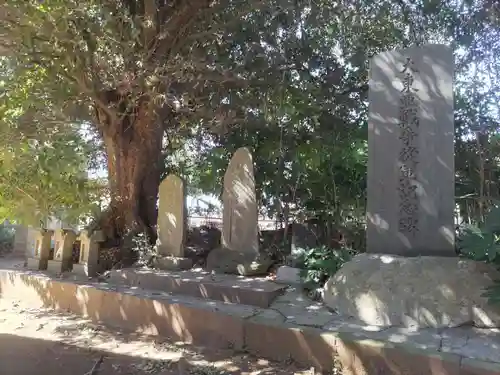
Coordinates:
63 251
410 275
304 237
240 234
240 218
172 223
88 261
40 257
21 240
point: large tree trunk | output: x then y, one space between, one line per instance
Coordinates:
133 143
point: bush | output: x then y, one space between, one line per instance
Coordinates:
319 263
482 243
7 234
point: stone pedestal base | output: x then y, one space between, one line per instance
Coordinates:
224 260
58 266
385 290
288 275
36 264
172 263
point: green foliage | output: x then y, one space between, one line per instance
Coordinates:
7 234
308 130
141 245
319 263
482 243
39 180
44 158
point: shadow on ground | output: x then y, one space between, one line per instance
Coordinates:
61 343
26 356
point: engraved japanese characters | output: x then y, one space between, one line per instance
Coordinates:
409 152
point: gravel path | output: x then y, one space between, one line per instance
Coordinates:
43 342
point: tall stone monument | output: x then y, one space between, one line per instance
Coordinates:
411 152
239 253
410 275
172 223
240 217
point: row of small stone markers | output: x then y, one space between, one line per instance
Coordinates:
239 253
62 260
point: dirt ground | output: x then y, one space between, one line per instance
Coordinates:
43 342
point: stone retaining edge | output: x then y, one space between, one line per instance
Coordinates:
212 326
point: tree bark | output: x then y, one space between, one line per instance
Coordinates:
132 136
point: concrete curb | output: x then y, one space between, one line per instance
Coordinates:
223 325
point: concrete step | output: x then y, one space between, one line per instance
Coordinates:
264 332
200 284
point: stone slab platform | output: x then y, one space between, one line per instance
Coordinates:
292 327
197 283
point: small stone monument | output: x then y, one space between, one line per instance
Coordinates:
39 257
410 275
171 225
88 261
240 233
303 238
63 251
21 240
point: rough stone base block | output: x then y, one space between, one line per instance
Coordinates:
386 290
172 263
85 270
288 275
80 269
58 266
36 264
227 288
224 260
